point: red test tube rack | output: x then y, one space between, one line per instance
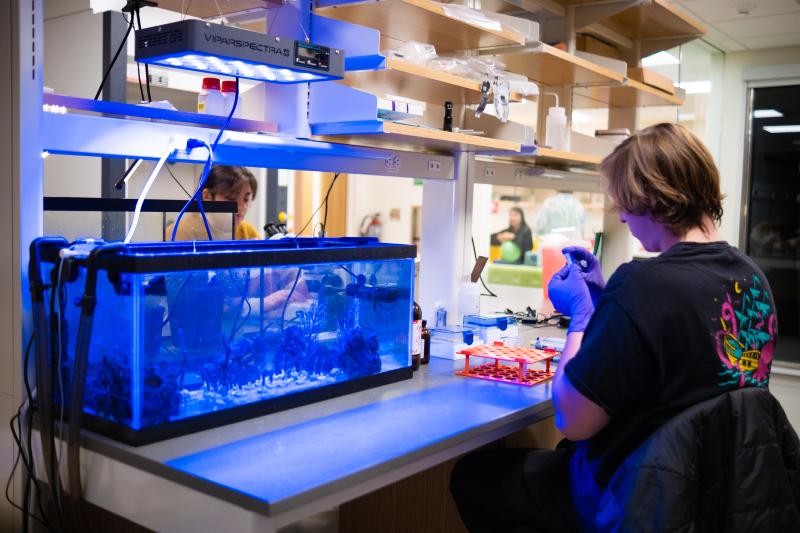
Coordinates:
518 373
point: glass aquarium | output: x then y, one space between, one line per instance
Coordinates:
187 336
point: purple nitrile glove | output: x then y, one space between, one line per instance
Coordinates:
570 295
593 272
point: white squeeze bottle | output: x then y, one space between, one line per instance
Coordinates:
556 132
210 100
556 129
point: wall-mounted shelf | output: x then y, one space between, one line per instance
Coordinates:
71 126
632 94
137 111
418 82
419 20
405 137
552 67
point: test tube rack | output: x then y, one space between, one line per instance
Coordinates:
518 373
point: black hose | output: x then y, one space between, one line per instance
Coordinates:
88 304
44 378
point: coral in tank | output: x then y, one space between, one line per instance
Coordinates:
357 350
108 390
300 348
161 398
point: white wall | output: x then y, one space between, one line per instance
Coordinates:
734 124
377 194
73 56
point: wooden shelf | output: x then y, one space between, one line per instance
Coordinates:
552 67
403 136
632 94
420 20
208 9
656 19
417 82
555 159
657 23
558 157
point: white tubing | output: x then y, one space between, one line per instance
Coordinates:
146 189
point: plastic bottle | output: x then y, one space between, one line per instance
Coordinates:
229 94
416 337
210 100
426 344
469 300
556 129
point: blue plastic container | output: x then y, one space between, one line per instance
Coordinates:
187 336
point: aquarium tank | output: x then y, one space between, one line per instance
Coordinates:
187 336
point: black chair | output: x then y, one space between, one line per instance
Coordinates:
731 463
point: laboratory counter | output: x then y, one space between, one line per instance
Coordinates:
267 472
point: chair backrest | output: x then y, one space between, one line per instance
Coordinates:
731 463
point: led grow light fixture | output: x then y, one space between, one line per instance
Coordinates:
227 51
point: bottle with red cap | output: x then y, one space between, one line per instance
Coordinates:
229 94
210 100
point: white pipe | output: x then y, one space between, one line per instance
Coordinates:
146 189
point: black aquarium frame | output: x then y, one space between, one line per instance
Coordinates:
143 258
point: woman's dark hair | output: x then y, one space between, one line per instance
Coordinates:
223 179
518 210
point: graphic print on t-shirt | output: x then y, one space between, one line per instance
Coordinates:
747 338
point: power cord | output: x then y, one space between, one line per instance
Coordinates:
137 10
114 60
324 203
197 196
25 451
178 181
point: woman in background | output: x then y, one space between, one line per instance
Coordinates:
517 232
224 184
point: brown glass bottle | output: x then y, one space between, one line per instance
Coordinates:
426 344
416 337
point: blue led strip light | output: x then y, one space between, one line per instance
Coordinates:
211 64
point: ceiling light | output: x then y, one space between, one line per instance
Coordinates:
228 51
660 59
767 113
743 10
788 128
696 87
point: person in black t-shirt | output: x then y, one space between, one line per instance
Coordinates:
664 334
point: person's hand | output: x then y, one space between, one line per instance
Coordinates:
570 295
505 236
593 272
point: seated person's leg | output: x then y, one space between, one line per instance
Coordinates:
514 489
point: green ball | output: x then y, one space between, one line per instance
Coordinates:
510 251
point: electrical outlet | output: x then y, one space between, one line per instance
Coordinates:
488 172
434 166
159 79
393 163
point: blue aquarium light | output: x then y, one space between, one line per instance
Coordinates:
228 51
